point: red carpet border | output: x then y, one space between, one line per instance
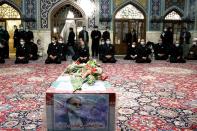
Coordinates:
156 96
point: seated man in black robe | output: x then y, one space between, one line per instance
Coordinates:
53 52
82 52
108 52
33 50
176 53
193 51
2 59
22 53
63 48
131 52
143 53
160 51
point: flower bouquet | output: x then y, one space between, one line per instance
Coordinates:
84 73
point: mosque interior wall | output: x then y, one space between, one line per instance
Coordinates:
40 11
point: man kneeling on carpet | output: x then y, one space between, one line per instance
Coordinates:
82 54
143 53
108 52
131 52
22 53
33 50
53 52
193 51
160 51
176 53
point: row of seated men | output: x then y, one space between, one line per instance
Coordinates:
142 52
56 54
25 51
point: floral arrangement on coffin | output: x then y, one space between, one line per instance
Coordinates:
84 73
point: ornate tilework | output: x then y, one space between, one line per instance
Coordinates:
193 11
46 5
129 12
31 12
105 7
92 18
17 2
105 13
91 22
143 3
7 11
155 11
117 3
178 3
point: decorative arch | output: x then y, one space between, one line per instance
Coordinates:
60 5
175 9
173 18
134 3
173 15
8 12
129 12
133 20
10 15
13 6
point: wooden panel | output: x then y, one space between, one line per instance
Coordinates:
122 27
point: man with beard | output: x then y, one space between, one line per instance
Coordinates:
22 53
72 119
53 52
143 53
96 36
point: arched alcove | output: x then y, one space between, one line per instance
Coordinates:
173 15
128 17
64 15
10 15
173 19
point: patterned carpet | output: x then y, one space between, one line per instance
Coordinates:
156 96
